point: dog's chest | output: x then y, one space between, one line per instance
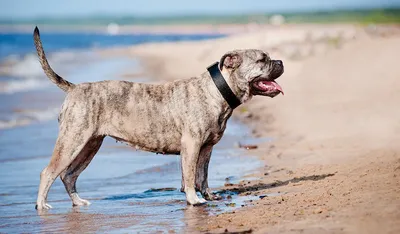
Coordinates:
215 138
218 131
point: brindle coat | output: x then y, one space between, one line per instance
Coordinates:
186 117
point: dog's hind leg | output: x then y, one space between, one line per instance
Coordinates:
71 174
69 144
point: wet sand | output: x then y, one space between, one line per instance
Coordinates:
335 158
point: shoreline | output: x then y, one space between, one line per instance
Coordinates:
325 170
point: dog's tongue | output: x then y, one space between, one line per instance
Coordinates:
270 86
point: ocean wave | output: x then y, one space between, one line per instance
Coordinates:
14 86
25 73
28 66
26 117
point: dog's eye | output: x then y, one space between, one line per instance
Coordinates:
261 60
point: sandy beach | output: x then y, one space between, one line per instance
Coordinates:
334 162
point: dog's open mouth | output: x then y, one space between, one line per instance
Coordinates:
266 85
267 88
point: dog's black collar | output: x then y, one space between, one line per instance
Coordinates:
222 86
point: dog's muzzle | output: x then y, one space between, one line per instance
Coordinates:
277 69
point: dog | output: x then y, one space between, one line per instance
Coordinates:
186 117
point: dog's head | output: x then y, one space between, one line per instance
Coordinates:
253 72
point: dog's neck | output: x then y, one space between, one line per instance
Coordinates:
241 91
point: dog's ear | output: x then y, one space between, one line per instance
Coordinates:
230 60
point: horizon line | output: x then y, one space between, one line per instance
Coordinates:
199 14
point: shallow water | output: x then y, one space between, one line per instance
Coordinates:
120 182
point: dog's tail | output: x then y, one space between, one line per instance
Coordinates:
54 77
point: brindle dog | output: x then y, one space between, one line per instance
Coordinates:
186 117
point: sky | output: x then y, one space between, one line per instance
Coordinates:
13 9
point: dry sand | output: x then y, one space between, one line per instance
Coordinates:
335 158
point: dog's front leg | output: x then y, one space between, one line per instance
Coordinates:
190 149
202 173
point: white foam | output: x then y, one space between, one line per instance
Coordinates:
43 115
27 73
11 59
26 117
15 86
4 124
28 67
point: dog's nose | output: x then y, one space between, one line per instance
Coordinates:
279 62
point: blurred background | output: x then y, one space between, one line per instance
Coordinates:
94 40
75 29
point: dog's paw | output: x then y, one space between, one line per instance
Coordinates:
81 202
44 206
77 201
208 195
200 202
213 197
193 199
